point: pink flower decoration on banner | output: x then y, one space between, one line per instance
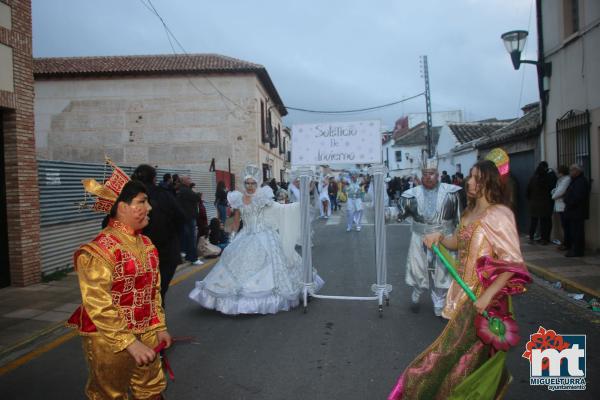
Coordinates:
501 332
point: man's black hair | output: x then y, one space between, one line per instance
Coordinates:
129 192
166 177
145 173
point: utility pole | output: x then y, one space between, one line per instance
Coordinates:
425 76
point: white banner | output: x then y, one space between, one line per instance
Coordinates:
336 143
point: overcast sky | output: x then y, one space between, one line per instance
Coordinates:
323 54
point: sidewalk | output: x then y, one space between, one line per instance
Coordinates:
575 274
35 314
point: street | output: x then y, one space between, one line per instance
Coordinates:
337 350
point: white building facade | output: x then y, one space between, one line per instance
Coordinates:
570 32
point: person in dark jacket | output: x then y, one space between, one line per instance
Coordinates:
221 201
332 191
166 221
189 202
577 206
217 235
445 178
541 206
202 220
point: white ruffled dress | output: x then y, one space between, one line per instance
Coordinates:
259 272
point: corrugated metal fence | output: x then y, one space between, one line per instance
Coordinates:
65 226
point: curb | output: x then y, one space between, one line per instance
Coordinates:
45 331
566 283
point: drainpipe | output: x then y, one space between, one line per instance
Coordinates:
541 72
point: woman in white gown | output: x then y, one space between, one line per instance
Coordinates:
259 271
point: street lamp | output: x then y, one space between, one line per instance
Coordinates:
514 41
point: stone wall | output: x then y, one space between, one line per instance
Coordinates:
162 120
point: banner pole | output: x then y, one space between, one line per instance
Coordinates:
306 176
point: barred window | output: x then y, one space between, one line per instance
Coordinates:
573 140
398 155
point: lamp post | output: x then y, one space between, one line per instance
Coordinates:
514 41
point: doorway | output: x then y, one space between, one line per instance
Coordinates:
522 166
4 259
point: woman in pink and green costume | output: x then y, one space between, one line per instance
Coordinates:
491 264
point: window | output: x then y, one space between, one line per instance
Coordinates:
280 140
573 140
398 155
266 172
570 17
263 129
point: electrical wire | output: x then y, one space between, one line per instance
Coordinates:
172 38
354 110
523 71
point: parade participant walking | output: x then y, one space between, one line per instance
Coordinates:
354 205
433 206
259 271
324 201
491 264
121 318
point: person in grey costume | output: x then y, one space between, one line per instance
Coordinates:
434 207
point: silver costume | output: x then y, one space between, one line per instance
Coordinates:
434 210
354 205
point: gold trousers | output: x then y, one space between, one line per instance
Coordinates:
112 375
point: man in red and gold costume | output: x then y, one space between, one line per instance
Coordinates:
121 319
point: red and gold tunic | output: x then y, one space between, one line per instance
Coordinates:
120 287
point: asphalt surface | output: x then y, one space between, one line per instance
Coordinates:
337 350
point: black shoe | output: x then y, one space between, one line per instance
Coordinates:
530 241
415 307
544 242
569 254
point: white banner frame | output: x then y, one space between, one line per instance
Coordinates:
332 143
381 289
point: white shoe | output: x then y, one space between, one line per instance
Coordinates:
437 311
415 296
198 262
182 254
358 228
348 229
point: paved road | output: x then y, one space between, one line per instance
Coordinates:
338 350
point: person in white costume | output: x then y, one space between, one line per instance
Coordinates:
324 202
294 190
259 271
434 207
354 204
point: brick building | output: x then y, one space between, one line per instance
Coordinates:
19 199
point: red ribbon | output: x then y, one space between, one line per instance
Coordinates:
161 346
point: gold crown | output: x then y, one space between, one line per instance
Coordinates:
106 193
